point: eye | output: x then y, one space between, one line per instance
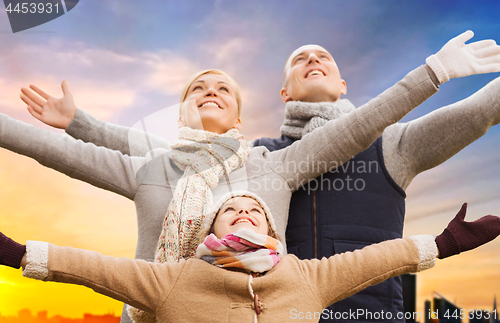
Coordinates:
225 89
256 210
228 209
196 88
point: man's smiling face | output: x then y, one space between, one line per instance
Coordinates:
312 76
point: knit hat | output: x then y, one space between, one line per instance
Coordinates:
209 219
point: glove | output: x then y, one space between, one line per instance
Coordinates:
461 236
456 59
11 252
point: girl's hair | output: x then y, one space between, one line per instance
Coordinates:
193 78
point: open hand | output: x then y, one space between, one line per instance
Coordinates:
457 59
55 112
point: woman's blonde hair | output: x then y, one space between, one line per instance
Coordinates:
193 78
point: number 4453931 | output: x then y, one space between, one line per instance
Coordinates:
33 8
471 314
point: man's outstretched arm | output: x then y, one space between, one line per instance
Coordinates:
413 147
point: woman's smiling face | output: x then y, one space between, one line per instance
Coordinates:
215 99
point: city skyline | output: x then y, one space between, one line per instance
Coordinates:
25 316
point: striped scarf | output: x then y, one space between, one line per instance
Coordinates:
243 249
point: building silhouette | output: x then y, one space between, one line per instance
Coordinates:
108 318
444 311
494 317
409 282
25 316
481 316
427 311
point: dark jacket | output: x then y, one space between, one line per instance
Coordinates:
355 205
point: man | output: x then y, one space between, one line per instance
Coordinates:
362 202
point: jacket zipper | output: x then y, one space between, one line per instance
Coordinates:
315 226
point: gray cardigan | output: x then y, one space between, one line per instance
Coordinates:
271 175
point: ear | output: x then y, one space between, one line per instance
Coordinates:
284 95
237 124
343 89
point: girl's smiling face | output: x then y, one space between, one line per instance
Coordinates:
238 213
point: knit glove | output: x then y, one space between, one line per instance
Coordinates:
11 252
456 59
461 236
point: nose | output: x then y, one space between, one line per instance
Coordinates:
211 92
243 211
312 59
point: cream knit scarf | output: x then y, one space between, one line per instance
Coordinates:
302 118
205 157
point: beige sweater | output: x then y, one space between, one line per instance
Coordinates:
195 291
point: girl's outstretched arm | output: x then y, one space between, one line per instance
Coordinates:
343 275
136 282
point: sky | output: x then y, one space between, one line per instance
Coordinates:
125 60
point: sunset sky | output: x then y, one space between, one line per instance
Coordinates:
125 59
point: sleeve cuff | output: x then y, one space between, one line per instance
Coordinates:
439 69
37 256
427 250
80 125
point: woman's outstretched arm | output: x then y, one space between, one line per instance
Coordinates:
99 166
62 113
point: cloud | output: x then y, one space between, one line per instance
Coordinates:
103 82
169 71
108 84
